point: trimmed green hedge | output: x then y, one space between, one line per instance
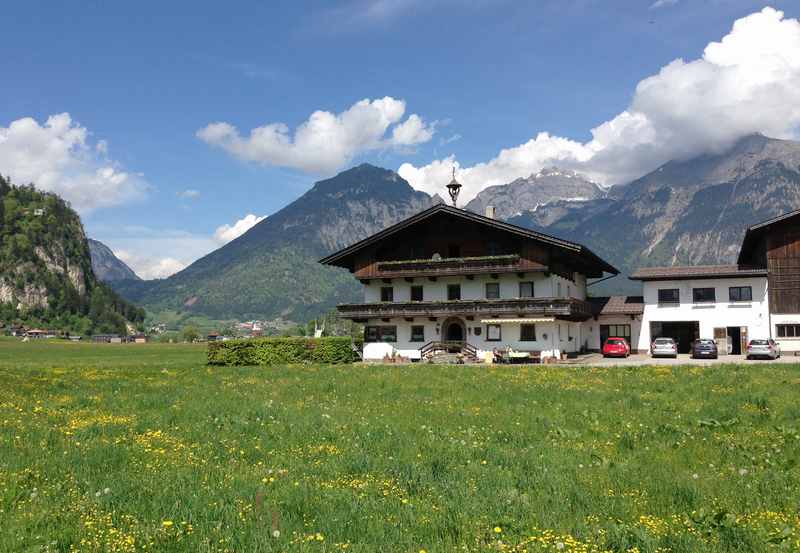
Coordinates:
281 351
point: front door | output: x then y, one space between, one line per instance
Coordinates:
454 332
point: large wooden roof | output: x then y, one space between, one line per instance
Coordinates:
344 257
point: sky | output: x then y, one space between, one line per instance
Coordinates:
174 127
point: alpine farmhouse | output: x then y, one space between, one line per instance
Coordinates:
449 279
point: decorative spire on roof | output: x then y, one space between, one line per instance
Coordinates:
454 188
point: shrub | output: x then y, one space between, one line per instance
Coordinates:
281 351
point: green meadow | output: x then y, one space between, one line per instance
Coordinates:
145 448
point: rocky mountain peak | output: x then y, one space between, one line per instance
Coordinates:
544 187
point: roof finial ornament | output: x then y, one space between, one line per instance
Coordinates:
454 188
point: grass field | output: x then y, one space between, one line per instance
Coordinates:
130 448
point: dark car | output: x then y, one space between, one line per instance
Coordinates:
704 348
616 347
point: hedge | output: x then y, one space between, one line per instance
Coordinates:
281 351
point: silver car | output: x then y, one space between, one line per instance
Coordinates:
763 348
664 347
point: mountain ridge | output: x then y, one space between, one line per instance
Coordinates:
107 266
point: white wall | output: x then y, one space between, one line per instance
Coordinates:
754 314
543 287
787 344
548 340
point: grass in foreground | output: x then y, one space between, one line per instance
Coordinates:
129 448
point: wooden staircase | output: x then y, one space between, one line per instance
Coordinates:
449 352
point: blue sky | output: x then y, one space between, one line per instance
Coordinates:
139 80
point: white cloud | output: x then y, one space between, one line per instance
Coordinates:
748 82
226 233
326 141
159 253
189 194
58 157
149 268
662 4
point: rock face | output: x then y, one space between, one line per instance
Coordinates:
685 212
271 271
44 261
541 189
107 266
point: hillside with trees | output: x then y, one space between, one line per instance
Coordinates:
46 276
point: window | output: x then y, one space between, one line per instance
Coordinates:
788 331
704 295
453 250
558 288
417 252
492 290
387 293
493 333
740 293
453 291
526 289
477 331
380 333
669 296
569 291
493 248
416 293
527 333
417 333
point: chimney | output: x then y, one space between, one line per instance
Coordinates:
490 211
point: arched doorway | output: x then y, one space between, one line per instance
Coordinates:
454 330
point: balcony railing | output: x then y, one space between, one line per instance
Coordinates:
449 265
565 308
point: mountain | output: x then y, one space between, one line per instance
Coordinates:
107 266
271 271
685 212
545 187
46 276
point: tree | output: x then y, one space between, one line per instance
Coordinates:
190 334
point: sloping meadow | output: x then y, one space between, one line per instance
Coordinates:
147 448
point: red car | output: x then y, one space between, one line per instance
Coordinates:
616 347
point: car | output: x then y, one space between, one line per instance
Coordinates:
664 347
704 347
616 347
763 348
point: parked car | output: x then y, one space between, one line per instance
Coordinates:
616 347
763 348
704 347
664 347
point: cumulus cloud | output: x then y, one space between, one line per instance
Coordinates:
226 233
326 141
748 82
59 157
662 4
149 268
189 194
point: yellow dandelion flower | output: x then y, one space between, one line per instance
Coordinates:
167 524
498 530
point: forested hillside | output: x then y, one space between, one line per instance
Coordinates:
46 276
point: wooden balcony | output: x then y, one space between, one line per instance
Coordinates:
562 308
452 266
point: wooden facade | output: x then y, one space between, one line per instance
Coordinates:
445 241
775 245
783 265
